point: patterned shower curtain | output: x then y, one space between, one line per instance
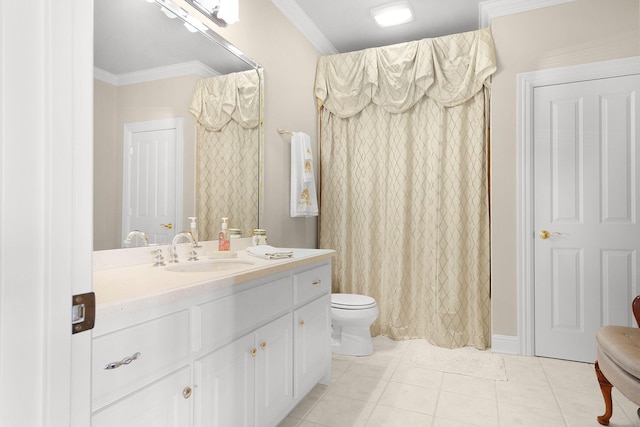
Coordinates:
227 113
404 183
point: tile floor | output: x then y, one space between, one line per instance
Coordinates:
385 389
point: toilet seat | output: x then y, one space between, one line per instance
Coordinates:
352 302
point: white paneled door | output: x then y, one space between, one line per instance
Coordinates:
152 179
586 196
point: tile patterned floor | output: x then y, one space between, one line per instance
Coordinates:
385 389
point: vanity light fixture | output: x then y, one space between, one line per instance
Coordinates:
172 11
194 25
168 13
222 12
392 14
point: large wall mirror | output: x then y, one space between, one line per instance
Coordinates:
165 86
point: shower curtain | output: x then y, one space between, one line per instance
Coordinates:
227 113
404 183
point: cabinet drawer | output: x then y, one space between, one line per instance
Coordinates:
162 343
216 322
163 403
311 283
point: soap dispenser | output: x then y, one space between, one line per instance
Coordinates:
224 242
194 229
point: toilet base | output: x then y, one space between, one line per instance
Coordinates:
351 340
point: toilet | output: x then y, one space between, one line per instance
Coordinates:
351 318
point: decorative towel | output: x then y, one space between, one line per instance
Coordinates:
269 252
304 201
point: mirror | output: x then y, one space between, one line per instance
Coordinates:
148 59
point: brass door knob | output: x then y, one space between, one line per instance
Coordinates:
186 393
263 345
301 323
167 226
544 234
254 352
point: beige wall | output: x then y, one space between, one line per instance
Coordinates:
289 62
105 196
116 106
579 32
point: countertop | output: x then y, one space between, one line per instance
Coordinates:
133 288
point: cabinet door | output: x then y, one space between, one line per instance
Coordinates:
224 381
274 370
164 403
312 344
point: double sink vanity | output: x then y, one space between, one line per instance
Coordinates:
215 342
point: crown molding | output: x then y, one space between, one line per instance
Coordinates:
152 74
305 25
493 8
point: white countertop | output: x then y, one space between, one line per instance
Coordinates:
137 287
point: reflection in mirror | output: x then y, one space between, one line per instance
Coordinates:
148 64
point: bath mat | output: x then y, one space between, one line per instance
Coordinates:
462 361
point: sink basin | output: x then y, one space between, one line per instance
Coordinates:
209 266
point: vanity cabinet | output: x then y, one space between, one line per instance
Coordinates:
248 382
241 355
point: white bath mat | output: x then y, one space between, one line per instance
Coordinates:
462 361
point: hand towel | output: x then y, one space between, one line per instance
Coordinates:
304 201
269 252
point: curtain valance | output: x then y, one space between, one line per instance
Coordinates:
218 100
449 69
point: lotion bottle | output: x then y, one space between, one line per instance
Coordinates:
223 237
194 228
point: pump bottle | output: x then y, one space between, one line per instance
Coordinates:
224 242
194 228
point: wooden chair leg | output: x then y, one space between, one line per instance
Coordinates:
605 388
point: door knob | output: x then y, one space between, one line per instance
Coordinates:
167 226
186 393
544 234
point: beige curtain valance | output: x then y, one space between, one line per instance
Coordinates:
449 69
218 100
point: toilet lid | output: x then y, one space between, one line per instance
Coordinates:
352 301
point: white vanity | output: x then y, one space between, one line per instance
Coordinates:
240 346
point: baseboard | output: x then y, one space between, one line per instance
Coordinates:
505 344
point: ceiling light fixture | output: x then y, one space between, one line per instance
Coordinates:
392 14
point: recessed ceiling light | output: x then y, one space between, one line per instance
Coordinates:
392 14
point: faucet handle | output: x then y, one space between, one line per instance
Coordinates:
173 255
158 258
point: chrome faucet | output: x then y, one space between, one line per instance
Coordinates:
173 254
136 233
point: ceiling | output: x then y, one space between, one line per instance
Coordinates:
348 25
